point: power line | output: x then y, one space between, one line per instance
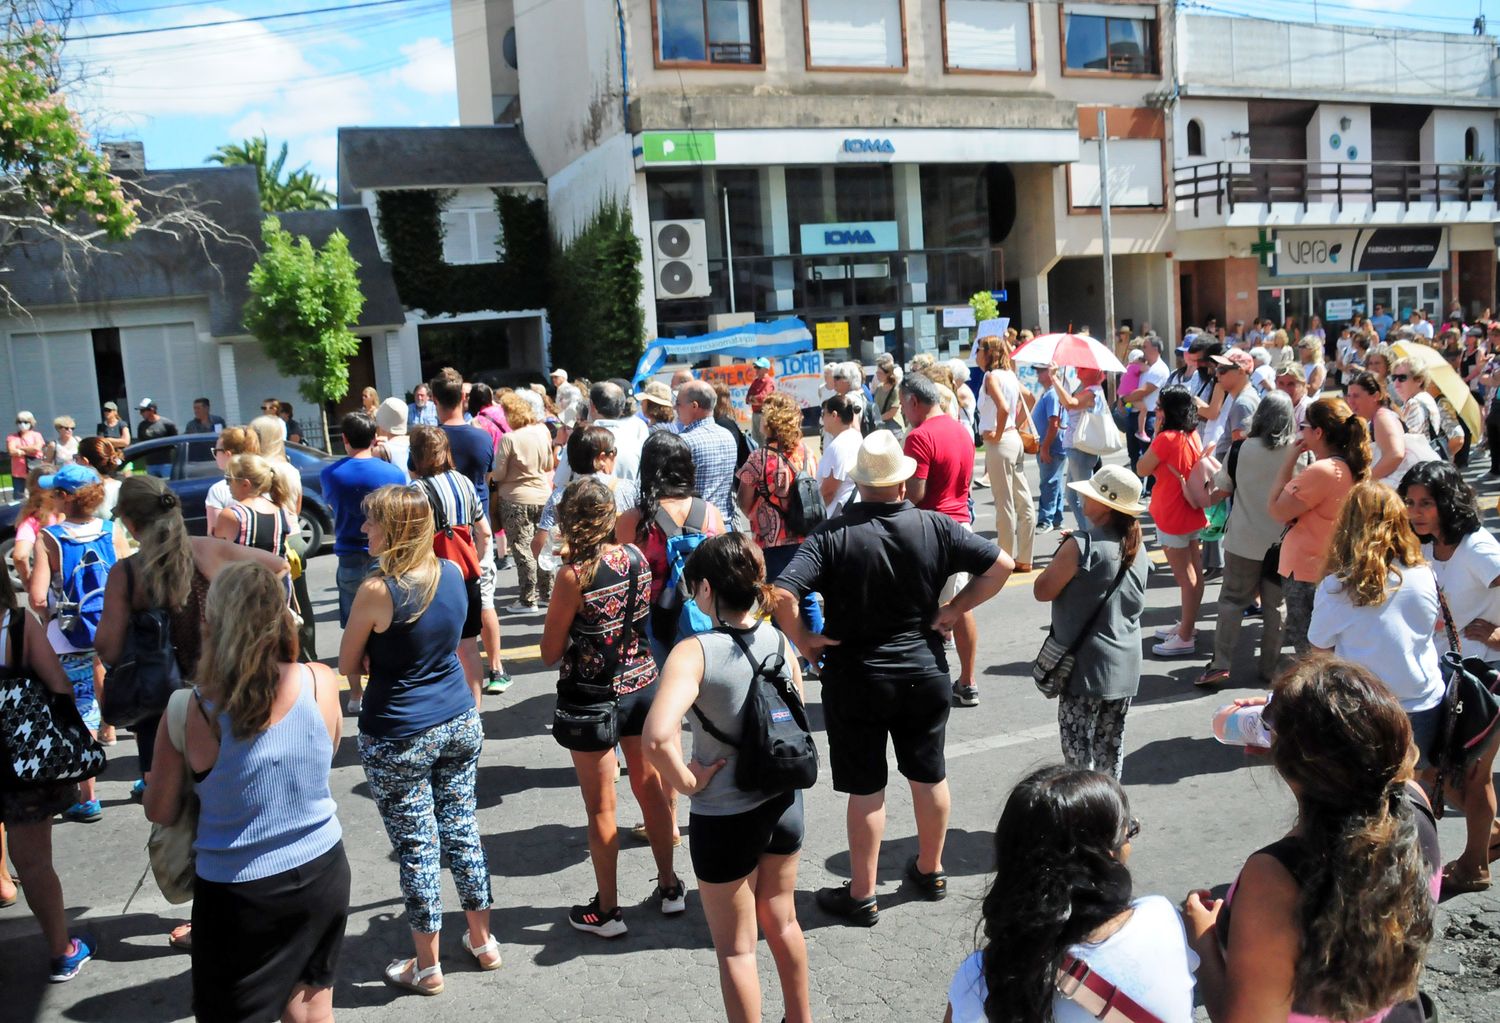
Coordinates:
366 5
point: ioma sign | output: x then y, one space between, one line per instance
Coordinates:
869 147
858 236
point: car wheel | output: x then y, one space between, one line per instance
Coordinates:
311 531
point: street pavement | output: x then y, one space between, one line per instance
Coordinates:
1204 808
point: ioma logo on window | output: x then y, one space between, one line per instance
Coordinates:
842 236
863 147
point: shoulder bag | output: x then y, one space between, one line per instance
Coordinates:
170 847
1021 415
1097 432
43 740
586 718
1471 709
1054 663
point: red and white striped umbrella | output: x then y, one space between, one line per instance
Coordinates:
1076 350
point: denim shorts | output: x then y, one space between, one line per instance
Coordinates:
1176 541
1424 730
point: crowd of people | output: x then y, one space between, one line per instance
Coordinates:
694 572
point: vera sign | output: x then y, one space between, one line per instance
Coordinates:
1361 250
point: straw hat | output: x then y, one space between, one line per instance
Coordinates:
880 462
1114 487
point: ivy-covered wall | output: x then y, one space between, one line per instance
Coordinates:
598 326
412 230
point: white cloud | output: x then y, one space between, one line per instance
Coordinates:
429 68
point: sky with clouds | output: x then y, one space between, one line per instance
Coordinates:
299 79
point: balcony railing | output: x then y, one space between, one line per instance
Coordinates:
1222 185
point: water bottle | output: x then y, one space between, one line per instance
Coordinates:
548 561
1242 726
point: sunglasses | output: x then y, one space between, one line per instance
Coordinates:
1400 377
222 451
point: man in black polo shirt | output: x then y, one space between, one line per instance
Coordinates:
881 566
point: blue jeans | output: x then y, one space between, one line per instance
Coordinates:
18 487
777 558
352 570
163 471
1049 510
1081 466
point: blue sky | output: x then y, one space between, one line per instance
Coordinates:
299 79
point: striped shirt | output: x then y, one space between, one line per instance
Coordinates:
458 503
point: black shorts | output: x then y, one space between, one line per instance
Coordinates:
727 848
255 941
861 712
632 710
476 606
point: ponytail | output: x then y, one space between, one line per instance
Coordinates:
280 493
165 559
1347 435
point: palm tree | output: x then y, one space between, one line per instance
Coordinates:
300 190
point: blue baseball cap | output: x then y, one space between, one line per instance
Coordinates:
69 479
762 363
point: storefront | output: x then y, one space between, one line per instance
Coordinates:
1335 273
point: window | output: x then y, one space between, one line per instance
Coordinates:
987 35
1471 144
708 32
1195 137
855 34
1110 38
471 236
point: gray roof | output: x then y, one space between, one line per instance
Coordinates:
157 266
373 158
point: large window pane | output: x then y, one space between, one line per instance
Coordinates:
1129 46
733 32
683 35
1088 48
854 33
989 35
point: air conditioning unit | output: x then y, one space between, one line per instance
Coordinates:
681 251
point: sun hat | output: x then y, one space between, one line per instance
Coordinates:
70 479
880 462
655 392
391 416
110 406
1114 487
1237 358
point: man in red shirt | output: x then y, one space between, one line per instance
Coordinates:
944 452
762 385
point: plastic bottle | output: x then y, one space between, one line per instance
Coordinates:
1241 726
548 560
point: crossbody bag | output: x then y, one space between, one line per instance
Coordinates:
586 718
1054 663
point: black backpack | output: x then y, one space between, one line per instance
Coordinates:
804 510
776 752
141 682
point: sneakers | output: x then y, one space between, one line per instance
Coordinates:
589 918
638 832
933 886
519 608
65 967
673 899
84 813
965 696
855 912
1176 647
354 705
1167 631
495 683
138 791
505 564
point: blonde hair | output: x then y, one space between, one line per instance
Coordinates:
1373 538
405 517
248 634
996 348
272 433
62 421
1278 338
257 472
239 440
165 559
518 411
781 421
369 398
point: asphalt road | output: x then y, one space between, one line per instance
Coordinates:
1203 808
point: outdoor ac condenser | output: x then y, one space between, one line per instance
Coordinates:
680 248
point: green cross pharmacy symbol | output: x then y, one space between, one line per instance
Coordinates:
1265 249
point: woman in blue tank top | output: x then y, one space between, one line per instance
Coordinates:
271 893
420 735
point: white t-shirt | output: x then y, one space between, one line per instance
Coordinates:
1465 579
1157 374
1148 958
1010 390
1264 379
1423 327
838 458
1394 640
218 496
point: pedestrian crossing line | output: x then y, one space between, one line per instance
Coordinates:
991 743
518 654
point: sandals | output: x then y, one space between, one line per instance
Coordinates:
489 948
181 938
1213 677
1460 884
395 976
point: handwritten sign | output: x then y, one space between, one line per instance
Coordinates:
833 335
798 375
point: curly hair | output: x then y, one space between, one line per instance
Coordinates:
1058 878
1457 504
248 633
84 501
586 520
1372 539
1343 743
239 440
781 421
1178 410
1347 435
518 411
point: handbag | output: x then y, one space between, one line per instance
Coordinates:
586 718
139 684
1054 663
43 740
1471 708
1270 562
1097 433
1030 442
170 847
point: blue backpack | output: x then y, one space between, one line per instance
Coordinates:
675 616
83 573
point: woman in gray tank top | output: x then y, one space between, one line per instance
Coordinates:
745 845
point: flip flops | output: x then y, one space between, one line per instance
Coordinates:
1213 677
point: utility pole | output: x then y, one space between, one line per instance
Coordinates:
1109 263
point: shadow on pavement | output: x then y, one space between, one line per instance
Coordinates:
1167 761
538 851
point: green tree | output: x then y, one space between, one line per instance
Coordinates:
300 189
302 303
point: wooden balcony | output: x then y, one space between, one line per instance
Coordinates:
1217 187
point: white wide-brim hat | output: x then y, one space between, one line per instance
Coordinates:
1115 488
881 462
